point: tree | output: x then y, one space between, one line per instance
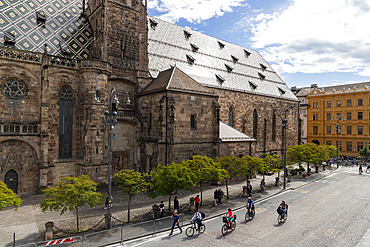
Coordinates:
331 150
233 166
296 154
170 178
71 193
365 152
275 163
131 183
8 197
206 170
250 166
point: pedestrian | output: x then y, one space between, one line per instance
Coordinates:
176 221
263 185
161 208
108 201
215 196
219 196
176 205
249 188
197 201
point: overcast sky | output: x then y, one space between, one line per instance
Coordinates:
306 41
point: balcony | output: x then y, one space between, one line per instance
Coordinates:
126 115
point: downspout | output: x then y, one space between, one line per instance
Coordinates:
166 131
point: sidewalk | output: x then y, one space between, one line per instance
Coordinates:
29 222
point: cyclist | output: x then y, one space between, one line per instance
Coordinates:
230 218
250 205
282 208
197 217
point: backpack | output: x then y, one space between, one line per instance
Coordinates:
203 215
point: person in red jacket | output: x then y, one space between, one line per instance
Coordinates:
197 201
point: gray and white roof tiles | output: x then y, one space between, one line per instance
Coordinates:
168 45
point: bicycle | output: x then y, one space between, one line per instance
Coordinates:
282 217
225 228
249 215
193 227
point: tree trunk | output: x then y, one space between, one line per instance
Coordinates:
169 202
78 226
227 189
128 208
201 194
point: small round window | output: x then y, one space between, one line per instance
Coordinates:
14 89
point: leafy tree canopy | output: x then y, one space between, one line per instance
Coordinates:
8 197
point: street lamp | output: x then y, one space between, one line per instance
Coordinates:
338 118
284 111
110 121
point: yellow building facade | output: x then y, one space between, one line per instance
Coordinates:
345 105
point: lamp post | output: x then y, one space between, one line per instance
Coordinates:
110 121
338 118
284 111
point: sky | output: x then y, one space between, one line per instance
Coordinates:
326 42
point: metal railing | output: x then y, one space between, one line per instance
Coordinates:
116 235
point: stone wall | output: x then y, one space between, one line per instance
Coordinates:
244 105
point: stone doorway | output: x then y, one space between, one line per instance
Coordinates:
11 180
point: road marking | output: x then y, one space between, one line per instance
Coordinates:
260 210
336 193
365 199
320 203
212 235
268 233
301 191
299 215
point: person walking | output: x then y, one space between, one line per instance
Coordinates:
219 194
249 188
176 221
197 201
161 208
215 196
176 204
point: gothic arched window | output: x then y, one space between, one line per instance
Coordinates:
255 123
65 123
273 125
231 116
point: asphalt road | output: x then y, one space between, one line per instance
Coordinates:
329 212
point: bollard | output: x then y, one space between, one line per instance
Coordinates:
277 181
49 230
192 205
289 178
316 169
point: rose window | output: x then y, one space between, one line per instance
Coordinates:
14 89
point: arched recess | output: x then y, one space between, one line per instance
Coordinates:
316 142
231 116
22 158
255 123
11 180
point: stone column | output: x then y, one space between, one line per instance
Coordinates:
49 230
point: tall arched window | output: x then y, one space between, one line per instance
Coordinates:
231 116
255 123
65 123
273 126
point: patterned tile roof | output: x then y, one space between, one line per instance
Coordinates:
212 62
64 28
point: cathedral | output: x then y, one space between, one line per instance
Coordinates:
180 93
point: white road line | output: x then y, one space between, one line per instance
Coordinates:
268 233
336 194
321 203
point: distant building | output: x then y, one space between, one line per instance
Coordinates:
350 105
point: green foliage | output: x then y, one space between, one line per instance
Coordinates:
206 170
71 193
233 166
170 178
8 197
131 183
365 152
331 150
296 154
252 165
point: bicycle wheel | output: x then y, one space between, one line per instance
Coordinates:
249 216
224 229
202 228
189 231
280 218
286 216
234 226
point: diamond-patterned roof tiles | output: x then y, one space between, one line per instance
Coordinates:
63 24
169 44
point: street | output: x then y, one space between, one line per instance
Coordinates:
328 212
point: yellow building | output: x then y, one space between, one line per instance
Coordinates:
347 105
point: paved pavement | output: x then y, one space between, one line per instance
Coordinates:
28 220
326 212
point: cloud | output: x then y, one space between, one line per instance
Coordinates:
193 11
314 36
